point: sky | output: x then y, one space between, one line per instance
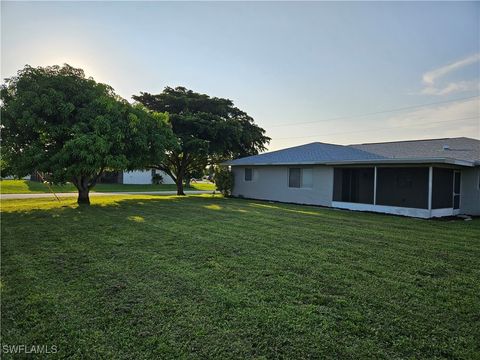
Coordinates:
336 72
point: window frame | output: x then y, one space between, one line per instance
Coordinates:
303 186
245 174
301 178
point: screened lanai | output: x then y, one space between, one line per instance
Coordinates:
422 191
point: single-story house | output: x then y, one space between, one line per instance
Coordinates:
136 177
419 178
140 177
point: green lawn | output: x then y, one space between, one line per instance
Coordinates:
26 187
145 277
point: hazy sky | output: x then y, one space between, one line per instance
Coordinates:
303 70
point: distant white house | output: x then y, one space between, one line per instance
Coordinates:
139 177
10 177
143 177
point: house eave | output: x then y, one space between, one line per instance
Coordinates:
448 161
363 162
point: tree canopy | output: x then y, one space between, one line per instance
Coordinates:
208 129
71 128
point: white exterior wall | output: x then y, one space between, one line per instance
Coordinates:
166 178
470 191
271 183
137 177
10 177
144 177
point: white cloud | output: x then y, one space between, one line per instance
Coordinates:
448 117
459 118
453 87
430 78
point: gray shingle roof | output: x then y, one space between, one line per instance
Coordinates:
313 153
459 149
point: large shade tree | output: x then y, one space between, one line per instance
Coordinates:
60 123
208 130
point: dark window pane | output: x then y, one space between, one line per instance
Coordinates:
442 188
248 174
294 177
353 185
404 181
403 187
456 181
337 184
456 202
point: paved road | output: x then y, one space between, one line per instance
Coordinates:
72 194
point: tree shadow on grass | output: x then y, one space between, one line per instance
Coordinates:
125 266
140 210
134 207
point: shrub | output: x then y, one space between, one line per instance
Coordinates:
157 179
224 181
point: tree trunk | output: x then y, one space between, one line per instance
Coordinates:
83 196
179 182
187 182
180 188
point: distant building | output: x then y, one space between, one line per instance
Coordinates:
118 177
135 177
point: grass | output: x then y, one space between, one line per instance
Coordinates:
29 187
207 277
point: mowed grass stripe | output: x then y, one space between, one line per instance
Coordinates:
202 277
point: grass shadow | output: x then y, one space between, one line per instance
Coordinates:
169 276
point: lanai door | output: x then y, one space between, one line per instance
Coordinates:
456 189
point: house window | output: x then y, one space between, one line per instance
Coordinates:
307 178
294 175
300 178
248 174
